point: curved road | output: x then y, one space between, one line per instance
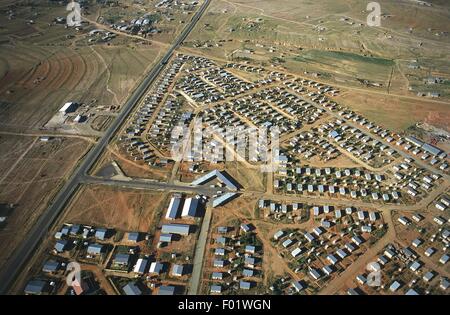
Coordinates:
18 259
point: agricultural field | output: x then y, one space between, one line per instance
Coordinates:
43 65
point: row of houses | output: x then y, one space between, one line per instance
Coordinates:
237 263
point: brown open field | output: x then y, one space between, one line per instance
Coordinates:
123 209
104 74
397 113
32 172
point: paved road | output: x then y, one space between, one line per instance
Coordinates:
199 255
149 184
28 246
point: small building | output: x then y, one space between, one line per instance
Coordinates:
298 286
134 237
177 270
51 266
174 207
395 286
68 107
156 267
101 233
36 287
165 237
181 229
131 289
245 285
190 207
216 289
121 260
95 249
141 266
60 246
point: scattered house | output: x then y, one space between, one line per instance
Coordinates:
444 259
415 265
315 274
279 234
411 292
404 220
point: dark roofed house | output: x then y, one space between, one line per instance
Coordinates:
121 259
36 287
75 229
134 237
50 266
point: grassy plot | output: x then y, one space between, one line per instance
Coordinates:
346 64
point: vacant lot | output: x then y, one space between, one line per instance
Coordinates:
123 209
397 113
31 174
